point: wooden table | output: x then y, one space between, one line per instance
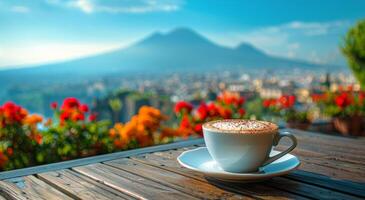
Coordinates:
332 168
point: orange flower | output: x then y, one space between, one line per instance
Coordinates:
33 119
112 132
169 132
38 138
140 128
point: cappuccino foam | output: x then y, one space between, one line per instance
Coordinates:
241 126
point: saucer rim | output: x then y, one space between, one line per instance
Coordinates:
236 175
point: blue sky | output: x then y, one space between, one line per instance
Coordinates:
42 31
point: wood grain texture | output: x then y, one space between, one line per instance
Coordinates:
308 190
167 161
30 188
131 184
329 185
197 188
327 182
79 186
318 156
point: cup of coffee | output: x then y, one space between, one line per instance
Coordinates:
242 146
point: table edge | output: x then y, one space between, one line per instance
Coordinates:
96 159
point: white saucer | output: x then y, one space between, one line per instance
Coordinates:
200 160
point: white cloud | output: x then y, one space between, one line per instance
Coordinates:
312 41
84 5
120 6
314 28
20 9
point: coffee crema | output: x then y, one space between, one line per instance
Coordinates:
241 126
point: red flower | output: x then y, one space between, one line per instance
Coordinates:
185 123
92 117
343 100
54 105
9 151
287 101
12 113
202 111
78 117
291 100
70 102
226 113
65 115
241 101
212 109
198 128
3 159
229 99
242 112
266 103
183 105
269 102
84 108
319 97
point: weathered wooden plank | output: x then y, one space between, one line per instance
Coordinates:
131 184
340 186
167 161
323 181
78 186
197 188
339 144
334 140
30 188
350 156
308 190
95 159
337 168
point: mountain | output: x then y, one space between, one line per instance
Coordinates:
179 50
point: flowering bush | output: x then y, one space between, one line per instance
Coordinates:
341 104
227 105
18 136
140 131
72 133
284 107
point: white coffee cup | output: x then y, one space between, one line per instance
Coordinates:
243 146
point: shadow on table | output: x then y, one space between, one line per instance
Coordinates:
295 184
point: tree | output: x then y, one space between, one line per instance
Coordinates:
354 50
116 106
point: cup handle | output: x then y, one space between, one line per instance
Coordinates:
276 142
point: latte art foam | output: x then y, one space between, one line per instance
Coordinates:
241 126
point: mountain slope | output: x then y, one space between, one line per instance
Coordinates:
179 50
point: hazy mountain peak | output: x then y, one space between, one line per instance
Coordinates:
183 31
178 36
248 48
